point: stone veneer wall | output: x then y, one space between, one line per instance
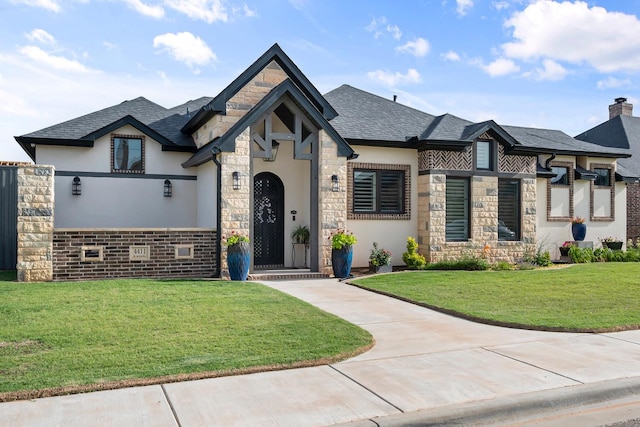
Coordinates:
236 209
35 223
115 261
633 211
332 205
240 104
484 217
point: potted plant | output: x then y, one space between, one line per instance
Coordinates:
301 234
238 255
578 228
564 249
342 243
611 243
380 260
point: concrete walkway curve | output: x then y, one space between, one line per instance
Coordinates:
424 364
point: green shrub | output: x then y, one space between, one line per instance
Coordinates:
411 258
526 265
581 255
467 263
502 266
632 255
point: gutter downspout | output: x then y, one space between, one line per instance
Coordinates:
215 151
549 160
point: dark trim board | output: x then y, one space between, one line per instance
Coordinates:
126 175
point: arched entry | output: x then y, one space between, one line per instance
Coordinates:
268 221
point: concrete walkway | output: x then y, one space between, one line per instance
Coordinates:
425 367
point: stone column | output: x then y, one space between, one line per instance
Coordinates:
236 209
35 223
332 205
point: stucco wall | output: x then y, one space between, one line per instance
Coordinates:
389 234
207 189
135 201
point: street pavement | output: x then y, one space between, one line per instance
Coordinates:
427 368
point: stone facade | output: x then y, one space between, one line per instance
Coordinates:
332 204
160 253
243 101
435 166
236 204
35 223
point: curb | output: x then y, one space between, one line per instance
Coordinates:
519 407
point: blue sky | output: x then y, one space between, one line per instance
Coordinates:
549 64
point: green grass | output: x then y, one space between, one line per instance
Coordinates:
72 334
589 297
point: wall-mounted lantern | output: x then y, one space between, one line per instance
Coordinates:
335 183
76 186
168 188
236 180
274 152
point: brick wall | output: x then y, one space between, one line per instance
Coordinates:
633 211
68 247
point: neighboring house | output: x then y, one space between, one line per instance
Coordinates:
270 153
622 131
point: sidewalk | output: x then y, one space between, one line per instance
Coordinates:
424 365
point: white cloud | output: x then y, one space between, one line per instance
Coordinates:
612 83
207 10
551 71
41 36
152 11
109 45
185 47
393 79
56 62
500 5
500 67
450 56
463 6
51 5
378 26
577 33
418 47
249 13
395 31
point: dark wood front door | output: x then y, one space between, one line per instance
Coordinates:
268 221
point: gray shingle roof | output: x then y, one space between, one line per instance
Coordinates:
621 132
365 116
445 128
166 122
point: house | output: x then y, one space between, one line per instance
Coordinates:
145 190
622 131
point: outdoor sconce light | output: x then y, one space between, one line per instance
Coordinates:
335 183
274 152
76 186
168 188
236 180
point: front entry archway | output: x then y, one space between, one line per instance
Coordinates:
268 221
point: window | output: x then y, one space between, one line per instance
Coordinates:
457 212
562 175
483 155
127 154
508 209
603 178
378 191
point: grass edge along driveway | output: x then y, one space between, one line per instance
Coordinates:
68 337
600 297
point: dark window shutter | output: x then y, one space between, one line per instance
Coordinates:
508 209
457 213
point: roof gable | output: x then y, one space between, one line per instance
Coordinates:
275 53
227 141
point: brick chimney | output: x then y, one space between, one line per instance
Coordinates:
620 107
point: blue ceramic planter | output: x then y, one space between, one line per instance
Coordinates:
341 261
239 260
579 231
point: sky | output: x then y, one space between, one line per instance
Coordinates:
543 63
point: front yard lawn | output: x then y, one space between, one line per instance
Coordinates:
81 336
587 297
